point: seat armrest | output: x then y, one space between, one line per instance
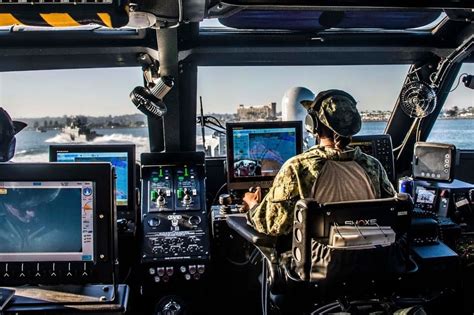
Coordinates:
238 223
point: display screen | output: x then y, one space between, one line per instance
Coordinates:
366 147
118 159
426 196
262 152
46 221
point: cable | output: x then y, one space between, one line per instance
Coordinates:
418 130
459 81
218 193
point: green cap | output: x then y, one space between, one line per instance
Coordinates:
336 110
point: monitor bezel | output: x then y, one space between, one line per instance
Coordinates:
100 148
101 174
261 181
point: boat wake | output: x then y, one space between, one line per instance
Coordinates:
40 153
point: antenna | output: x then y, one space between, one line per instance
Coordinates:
202 126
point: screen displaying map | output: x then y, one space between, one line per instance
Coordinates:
118 159
262 152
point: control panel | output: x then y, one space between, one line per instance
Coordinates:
454 200
380 147
175 232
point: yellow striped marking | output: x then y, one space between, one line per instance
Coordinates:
105 17
59 19
7 19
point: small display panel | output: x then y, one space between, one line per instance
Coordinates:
426 196
257 151
434 161
118 159
47 221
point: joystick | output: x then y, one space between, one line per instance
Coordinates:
187 197
225 200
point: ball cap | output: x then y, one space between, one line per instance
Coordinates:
336 110
8 126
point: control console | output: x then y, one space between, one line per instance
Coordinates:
175 232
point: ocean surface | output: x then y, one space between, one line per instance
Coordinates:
33 146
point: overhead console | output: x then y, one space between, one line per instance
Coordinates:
175 236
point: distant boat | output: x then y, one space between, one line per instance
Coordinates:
41 129
78 131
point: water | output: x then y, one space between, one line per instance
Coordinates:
33 146
459 132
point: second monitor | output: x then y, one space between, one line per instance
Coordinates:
121 156
257 150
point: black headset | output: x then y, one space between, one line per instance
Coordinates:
311 121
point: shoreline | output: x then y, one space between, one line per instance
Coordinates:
440 118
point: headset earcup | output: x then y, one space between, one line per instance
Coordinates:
311 124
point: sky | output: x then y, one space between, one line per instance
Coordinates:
103 92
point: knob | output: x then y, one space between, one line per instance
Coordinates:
187 197
225 199
194 220
122 225
153 222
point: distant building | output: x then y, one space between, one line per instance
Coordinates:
263 112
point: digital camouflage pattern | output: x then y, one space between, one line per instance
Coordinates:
274 215
339 113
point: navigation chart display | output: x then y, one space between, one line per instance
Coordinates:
262 152
118 159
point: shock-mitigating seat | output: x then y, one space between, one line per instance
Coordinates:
369 256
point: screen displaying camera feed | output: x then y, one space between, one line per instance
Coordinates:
118 159
425 195
262 152
46 221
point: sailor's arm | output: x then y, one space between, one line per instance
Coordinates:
274 214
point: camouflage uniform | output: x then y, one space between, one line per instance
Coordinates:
274 215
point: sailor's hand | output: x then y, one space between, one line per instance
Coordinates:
252 198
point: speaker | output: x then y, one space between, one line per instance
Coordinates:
434 161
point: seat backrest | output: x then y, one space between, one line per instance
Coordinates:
313 221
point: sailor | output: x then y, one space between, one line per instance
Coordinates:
330 171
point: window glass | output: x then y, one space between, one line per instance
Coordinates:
455 123
256 93
73 106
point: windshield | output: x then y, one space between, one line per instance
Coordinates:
257 93
73 106
455 124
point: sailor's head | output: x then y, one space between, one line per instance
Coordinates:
8 130
23 204
334 110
